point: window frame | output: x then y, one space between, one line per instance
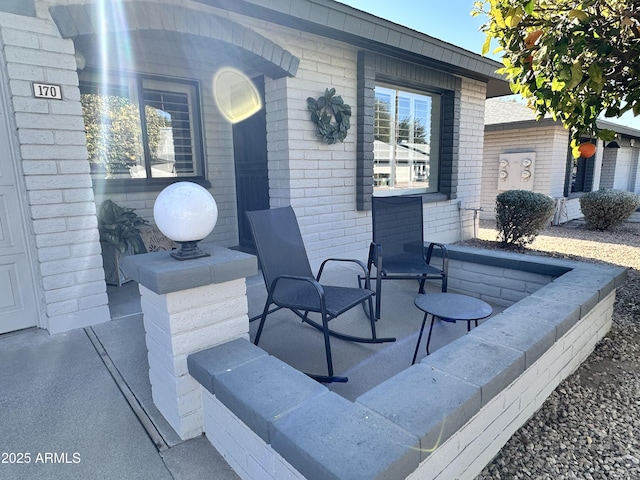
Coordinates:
374 68
434 167
136 94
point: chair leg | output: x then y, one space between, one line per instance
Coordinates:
372 319
433 319
415 354
422 281
378 293
444 284
262 320
327 344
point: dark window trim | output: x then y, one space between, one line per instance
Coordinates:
373 68
150 184
584 174
143 185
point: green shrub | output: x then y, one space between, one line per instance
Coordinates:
607 208
521 215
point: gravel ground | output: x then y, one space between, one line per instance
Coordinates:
589 428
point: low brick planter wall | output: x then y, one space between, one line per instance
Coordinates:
443 418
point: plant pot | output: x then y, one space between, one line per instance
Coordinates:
111 261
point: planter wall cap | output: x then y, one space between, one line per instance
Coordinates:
162 274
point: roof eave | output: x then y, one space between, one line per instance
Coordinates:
331 19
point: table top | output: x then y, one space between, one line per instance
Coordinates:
453 306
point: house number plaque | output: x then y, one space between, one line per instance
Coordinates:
45 90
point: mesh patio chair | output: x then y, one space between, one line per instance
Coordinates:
290 282
398 250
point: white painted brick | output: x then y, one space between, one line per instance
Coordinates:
63 210
58 281
70 265
211 335
20 88
20 38
91 301
208 315
86 249
40 167
160 355
62 308
77 166
37 197
49 225
25 72
52 122
85 222
62 77
37 152
42 182
206 295
41 137
66 238
74 292
70 138
48 254
32 105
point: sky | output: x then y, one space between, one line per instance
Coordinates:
448 20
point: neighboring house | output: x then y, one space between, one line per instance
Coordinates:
520 152
140 75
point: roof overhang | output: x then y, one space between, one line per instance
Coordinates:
334 20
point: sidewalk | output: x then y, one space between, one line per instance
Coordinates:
65 417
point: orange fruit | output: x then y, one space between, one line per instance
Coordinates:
531 39
528 61
587 150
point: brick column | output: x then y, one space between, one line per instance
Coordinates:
188 306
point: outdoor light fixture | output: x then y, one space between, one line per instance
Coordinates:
81 61
186 213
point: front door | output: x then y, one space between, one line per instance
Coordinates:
17 298
252 181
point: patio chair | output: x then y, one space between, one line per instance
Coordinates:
290 282
398 250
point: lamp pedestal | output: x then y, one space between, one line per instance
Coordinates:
188 251
188 307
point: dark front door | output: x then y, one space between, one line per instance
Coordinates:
252 182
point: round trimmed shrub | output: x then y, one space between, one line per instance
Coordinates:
521 215
606 208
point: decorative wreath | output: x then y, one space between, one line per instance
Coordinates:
324 109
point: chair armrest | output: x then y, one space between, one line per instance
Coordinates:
443 252
312 281
350 260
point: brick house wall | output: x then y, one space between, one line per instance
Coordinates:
318 180
549 143
56 185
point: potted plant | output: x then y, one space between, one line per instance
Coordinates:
119 235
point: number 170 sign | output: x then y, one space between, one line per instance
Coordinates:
44 90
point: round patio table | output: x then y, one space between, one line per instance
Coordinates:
450 307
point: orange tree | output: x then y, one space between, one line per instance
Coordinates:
573 59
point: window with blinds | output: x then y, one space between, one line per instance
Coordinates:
141 128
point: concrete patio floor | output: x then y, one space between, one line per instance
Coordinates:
88 391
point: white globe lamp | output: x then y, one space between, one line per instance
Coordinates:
186 213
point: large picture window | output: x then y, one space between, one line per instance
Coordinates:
406 141
141 128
